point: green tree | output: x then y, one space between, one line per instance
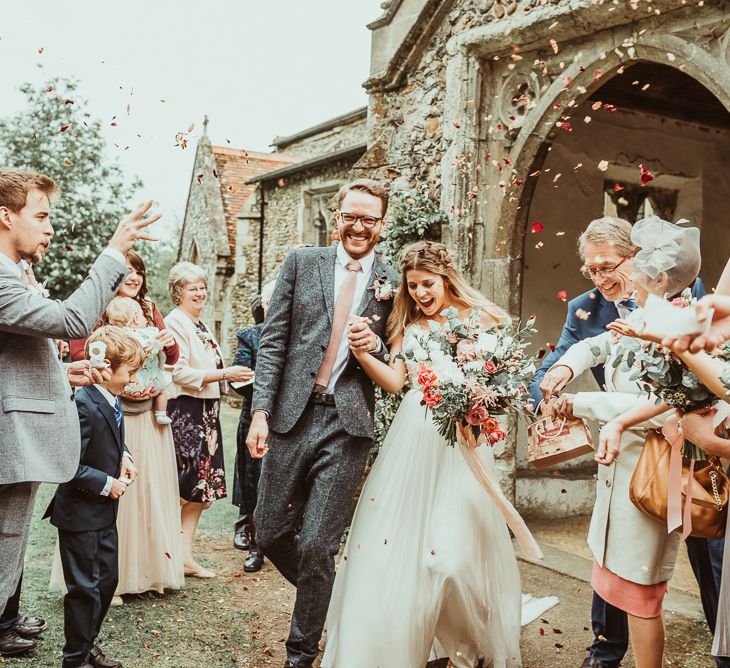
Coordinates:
55 135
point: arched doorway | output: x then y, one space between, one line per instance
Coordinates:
652 139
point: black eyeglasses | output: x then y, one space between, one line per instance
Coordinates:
350 219
602 272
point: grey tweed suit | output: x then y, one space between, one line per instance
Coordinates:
38 422
317 452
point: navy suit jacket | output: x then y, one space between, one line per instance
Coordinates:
78 504
601 312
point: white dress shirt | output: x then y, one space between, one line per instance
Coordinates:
361 286
113 403
10 265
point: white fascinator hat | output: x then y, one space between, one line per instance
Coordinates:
669 259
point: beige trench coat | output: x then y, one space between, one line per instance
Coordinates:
621 537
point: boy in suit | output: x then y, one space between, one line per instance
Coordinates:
85 509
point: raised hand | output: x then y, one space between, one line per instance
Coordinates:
132 228
81 374
716 335
626 329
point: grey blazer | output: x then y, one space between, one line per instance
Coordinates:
295 336
38 422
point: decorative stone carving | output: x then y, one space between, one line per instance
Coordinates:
519 93
498 8
725 48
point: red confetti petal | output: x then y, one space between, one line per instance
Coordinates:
617 188
541 631
200 178
551 346
566 126
64 128
562 296
537 227
646 175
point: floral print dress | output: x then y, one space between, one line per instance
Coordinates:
196 430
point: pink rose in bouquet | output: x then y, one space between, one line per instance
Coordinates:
477 415
466 350
490 367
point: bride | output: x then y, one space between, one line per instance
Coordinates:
428 570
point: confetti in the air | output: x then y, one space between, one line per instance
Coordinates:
645 174
562 295
536 227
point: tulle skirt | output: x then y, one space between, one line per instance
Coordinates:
428 570
148 520
721 644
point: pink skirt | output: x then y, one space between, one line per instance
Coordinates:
636 599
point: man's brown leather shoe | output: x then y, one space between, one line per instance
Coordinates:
98 660
11 644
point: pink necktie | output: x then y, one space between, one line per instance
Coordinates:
28 277
343 305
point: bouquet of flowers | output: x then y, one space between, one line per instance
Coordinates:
469 375
667 377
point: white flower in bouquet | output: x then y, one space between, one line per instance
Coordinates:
487 343
446 368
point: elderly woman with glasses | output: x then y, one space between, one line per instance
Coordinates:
194 404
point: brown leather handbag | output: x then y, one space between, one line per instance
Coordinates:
649 488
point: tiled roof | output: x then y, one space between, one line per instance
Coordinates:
234 168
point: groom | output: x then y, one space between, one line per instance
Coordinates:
312 409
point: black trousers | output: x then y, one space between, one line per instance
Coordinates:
308 481
90 571
12 609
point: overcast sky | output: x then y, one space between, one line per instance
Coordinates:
258 69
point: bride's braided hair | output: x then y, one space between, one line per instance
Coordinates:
435 258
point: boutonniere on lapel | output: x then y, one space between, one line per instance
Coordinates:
383 289
206 338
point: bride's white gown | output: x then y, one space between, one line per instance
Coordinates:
428 570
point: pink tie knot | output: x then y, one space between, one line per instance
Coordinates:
353 265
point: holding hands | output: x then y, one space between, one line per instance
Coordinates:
361 338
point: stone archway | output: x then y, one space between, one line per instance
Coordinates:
503 115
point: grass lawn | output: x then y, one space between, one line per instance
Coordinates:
206 624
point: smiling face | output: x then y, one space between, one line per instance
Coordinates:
30 228
132 284
122 375
428 291
193 298
357 239
612 283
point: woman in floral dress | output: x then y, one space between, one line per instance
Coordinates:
194 405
